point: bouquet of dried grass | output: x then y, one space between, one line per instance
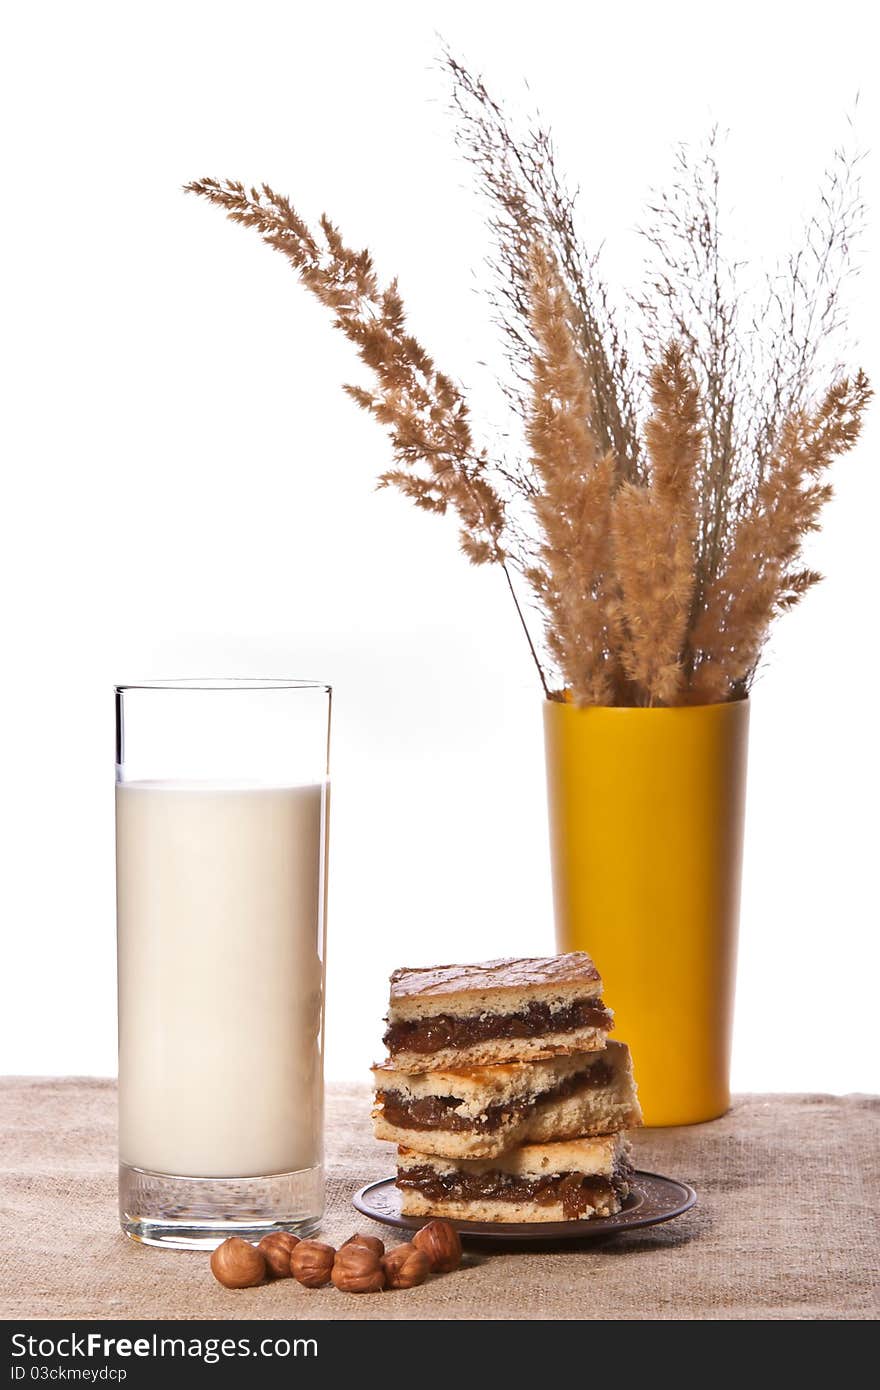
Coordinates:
658 513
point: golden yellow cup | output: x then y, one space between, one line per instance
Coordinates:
646 827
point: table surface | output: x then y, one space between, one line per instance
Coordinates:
786 1224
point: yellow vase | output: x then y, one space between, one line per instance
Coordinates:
646 820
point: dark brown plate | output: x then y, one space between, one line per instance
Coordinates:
652 1199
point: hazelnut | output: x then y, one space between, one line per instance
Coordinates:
370 1242
358 1270
405 1266
277 1248
439 1240
237 1264
311 1262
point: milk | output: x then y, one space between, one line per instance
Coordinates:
220 897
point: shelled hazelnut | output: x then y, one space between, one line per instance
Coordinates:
237 1264
358 1269
277 1248
406 1266
311 1263
361 1265
370 1242
440 1241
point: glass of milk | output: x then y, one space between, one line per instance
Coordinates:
221 866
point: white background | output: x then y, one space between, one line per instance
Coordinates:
187 491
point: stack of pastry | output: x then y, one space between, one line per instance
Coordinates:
503 1093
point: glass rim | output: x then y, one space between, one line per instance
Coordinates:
225 684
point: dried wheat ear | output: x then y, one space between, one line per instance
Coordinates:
656 517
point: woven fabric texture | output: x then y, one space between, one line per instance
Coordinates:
786 1225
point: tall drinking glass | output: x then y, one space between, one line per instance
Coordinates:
221 852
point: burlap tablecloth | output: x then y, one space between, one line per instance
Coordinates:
786 1225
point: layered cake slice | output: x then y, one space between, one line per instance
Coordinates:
459 1016
483 1111
569 1180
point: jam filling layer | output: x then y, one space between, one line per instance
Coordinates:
577 1193
439 1112
439 1031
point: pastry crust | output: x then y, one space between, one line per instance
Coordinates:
494 1050
478 1087
591 1110
495 986
598 1156
417 1204
606 1156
